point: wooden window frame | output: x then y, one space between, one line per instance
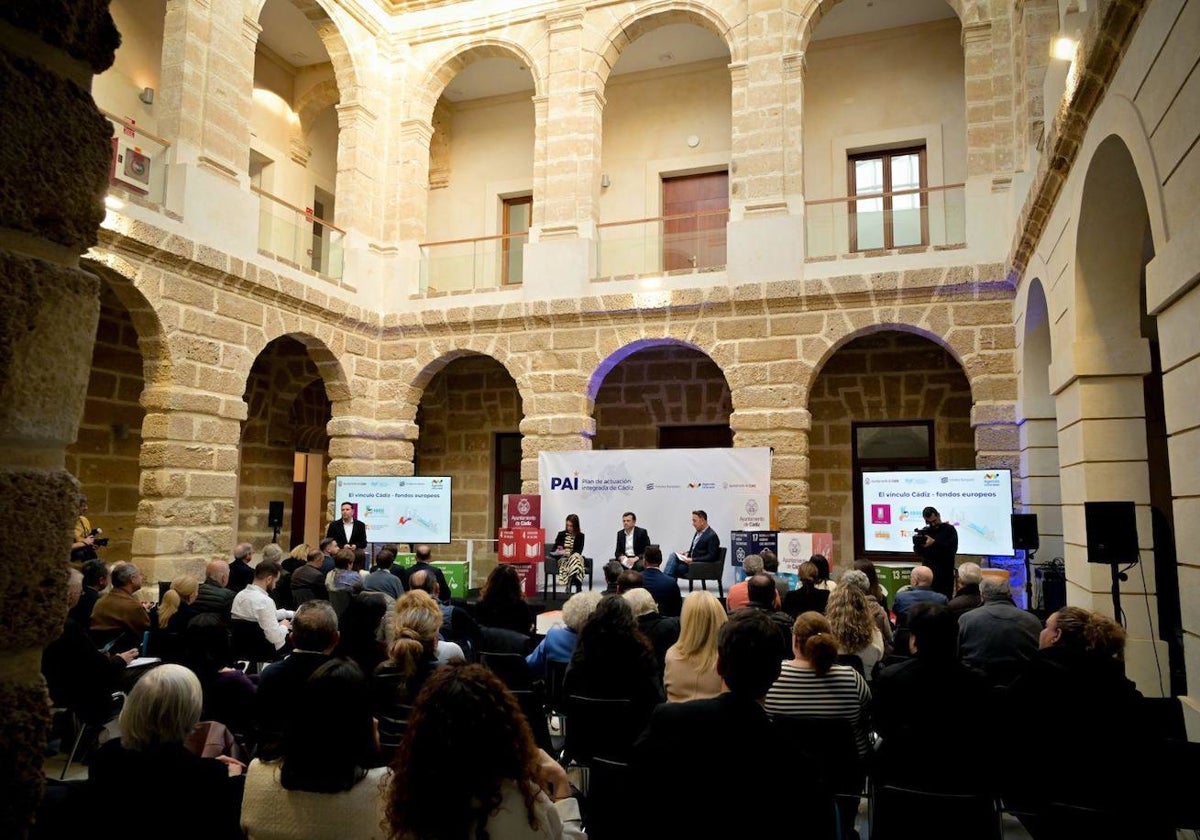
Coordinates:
506 242
859 466
887 194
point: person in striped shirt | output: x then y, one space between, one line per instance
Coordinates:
812 685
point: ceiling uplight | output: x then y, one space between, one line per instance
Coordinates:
652 283
1063 48
113 203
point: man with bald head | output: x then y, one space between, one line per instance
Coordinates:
920 592
214 597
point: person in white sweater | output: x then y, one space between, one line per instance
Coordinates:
323 787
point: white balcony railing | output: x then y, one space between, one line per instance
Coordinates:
139 161
296 236
932 217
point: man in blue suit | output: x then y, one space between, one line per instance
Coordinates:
705 547
664 589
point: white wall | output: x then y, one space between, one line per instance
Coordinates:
138 62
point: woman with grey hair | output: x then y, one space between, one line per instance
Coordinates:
859 579
559 643
150 764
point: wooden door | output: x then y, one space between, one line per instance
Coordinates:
697 242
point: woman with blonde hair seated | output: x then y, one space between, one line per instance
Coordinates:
175 609
150 764
853 626
691 672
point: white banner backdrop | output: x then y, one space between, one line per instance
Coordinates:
660 486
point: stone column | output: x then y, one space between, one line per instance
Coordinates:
410 197
1039 481
1102 451
553 422
361 445
783 426
568 137
357 189
190 454
49 309
766 207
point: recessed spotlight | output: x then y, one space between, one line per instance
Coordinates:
1063 48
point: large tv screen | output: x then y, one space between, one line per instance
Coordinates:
409 509
978 503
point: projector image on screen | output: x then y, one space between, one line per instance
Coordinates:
978 503
395 509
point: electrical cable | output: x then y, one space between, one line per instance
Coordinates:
1150 624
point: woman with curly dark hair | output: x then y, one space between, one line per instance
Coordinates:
469 768
613 660
502 602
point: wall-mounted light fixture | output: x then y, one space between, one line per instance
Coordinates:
147 95
605 181
1063 48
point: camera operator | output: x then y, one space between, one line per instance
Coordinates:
936 544
87 538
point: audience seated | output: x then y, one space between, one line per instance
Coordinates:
296 558
613 660
663 587
308 581
859 579
917 702
687 745
765 597
559 643
458 625
175 610
999 638
214 595
966 594
628 580
661 630
79 676
241 572
95 581
469 767
853 626
502 602
343 576
874 590
254 603
691 663
823 580
919 591
119 614
806 597
771 568
229 695
382 579
612 571
361 629
324 785
424 562
314 635
282 593
150 764
738 597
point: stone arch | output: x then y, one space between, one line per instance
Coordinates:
621 353
307 106
321 14
956 345
451 63
650 17
809 17
121 276
1114 230
333 373
1036 352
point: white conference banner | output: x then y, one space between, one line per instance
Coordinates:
661 487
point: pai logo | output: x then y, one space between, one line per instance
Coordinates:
566 482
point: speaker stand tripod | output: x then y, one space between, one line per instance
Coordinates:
1029 555
1118 577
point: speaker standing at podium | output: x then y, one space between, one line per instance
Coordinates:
937 544
348 530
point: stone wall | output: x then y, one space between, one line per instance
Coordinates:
885 376
462 409
104 457
660 386
288 412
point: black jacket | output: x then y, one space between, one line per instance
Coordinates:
641 541
214 598
358 533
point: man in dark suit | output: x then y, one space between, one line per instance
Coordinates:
349 530
631 542
664 589
314 635
919 592
423 562
704 549
671 748
214 595
241 570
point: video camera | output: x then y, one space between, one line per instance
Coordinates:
919 536
99 540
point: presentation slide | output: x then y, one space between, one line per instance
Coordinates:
409 509
978 503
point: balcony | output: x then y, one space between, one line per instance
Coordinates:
138 172
297 238
482 263
680 244
900 222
